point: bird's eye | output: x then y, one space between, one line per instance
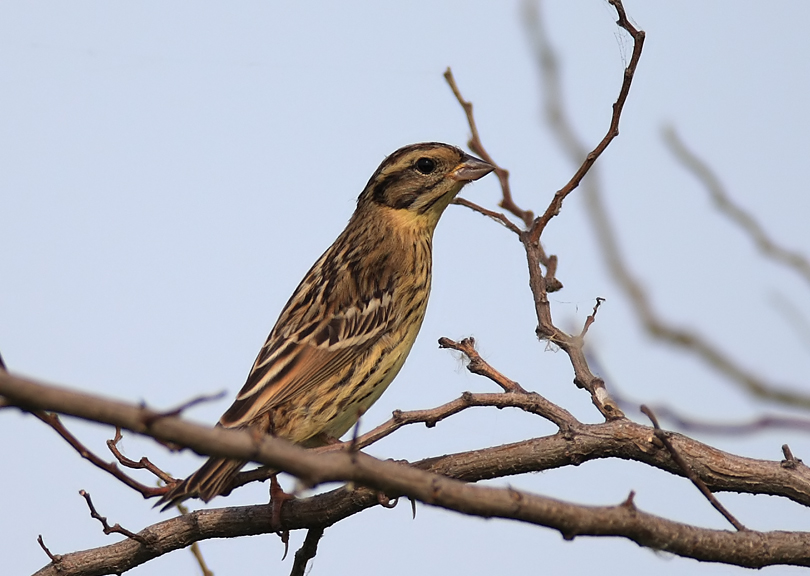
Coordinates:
425 165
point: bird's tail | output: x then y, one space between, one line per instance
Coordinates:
212 479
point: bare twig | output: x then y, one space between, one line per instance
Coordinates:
592 318
791 258
541 284
307 551
549 261
475 144
111 468
687 470
117 528
55 558
687 424
478 365
790 460
186 405
613 130
143 463
497 216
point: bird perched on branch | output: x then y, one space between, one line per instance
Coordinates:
346 331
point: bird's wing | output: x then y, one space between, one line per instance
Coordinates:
302 353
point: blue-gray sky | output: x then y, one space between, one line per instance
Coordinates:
168 172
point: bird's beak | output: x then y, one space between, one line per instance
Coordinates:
470 169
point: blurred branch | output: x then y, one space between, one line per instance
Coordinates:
717 192
685 423
607 241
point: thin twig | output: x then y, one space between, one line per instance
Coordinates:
478 365
55 558
475 144
497 216
550 262
554 207
687 470
143 464
592 318
185 406
111 468
116 529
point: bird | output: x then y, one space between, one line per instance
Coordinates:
348 327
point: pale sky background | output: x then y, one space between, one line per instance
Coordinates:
169 171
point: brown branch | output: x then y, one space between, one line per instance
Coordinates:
195 546
143 464
759 236
622 439
608 243
497 216
541 284
752 549
687 470
475 144
478 365
55 558
554 207
573 346
530 402
527 401
201 399
116 529
550 262
111 468
307 551
617 439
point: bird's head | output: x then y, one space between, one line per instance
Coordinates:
419 181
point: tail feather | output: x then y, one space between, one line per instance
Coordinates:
212 479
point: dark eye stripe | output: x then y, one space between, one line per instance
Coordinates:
380 188
426 207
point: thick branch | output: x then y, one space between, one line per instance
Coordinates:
620 438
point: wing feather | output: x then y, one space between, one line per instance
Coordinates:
294 361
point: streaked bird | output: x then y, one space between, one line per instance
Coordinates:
346 331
